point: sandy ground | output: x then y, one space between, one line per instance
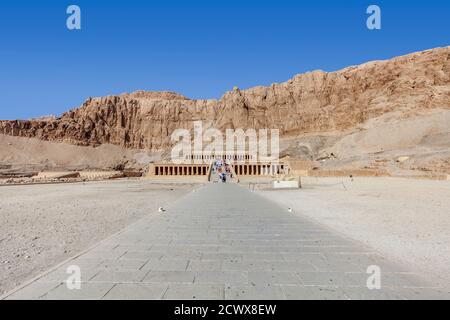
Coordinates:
29 154
404 219
424 139
42 225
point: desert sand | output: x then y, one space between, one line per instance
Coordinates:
43 225
404 219
32 155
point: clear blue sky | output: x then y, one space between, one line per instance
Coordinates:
198 48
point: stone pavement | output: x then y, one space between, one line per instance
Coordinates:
224 242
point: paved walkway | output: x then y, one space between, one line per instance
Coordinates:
224 242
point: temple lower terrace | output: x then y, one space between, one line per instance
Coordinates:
202 166
187 170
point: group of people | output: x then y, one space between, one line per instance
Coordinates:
223 169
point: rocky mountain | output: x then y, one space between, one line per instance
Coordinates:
314 102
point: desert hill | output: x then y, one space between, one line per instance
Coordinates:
367 115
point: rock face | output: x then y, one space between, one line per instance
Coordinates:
314 102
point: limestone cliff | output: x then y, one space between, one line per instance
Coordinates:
314 102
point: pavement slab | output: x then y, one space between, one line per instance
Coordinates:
225 242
